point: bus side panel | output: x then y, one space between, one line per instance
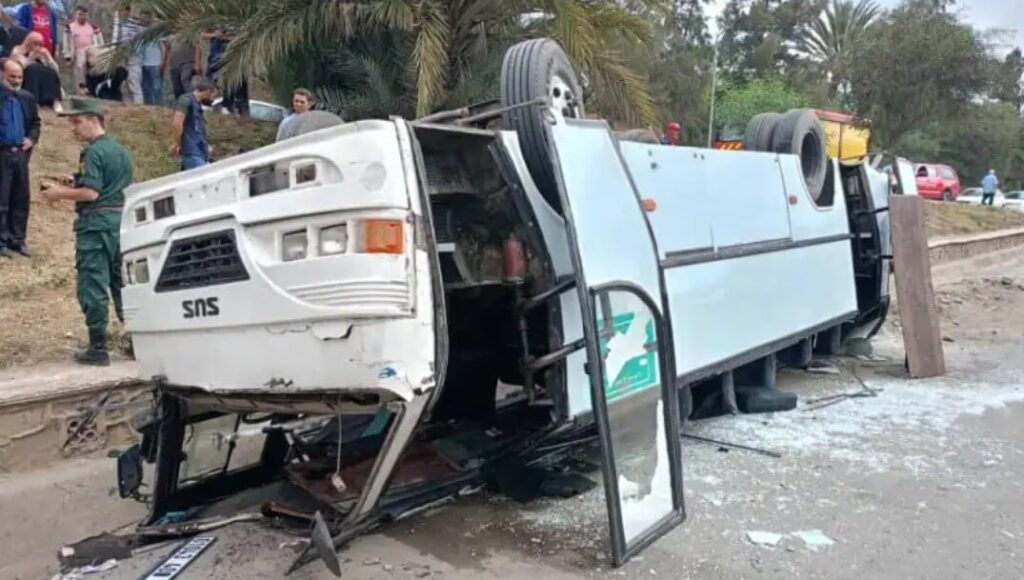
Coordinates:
750 262
724 308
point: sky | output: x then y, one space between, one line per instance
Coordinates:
982 14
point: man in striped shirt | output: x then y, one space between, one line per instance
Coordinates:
127 27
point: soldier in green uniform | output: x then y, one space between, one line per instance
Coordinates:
105 170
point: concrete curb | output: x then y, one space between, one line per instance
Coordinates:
42 408
951 249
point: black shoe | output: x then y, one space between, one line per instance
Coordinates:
96 355
23 250
93 357
6 253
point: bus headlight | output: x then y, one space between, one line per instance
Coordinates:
334 240
140 271
294 246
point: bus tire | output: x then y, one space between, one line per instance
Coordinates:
799 133
760 132
539 69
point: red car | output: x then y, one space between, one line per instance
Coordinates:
937 182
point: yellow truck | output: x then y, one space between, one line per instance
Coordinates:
845 137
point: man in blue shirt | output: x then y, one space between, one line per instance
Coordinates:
989 184
188 126
19 133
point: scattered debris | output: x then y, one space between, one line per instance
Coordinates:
277 509
108 565
814 539
864 392
725 444
947 339
871 357
417 570
760 538
371 562
180 559
170 518
292 545
79 573
820 368
320 538
1008 534
338 483
189 528
990 463
96 550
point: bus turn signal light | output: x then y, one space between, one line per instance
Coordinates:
383 237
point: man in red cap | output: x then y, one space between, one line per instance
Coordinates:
671 134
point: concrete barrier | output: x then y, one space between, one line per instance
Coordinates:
41 408
963 247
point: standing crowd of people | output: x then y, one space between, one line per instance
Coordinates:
31 34
39 35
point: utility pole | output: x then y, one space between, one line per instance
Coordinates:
714 91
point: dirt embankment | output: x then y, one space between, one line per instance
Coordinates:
38 310
957 219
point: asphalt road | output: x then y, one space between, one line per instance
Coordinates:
921 482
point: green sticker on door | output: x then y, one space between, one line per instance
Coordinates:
630 355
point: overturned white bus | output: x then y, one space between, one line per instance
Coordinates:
383 311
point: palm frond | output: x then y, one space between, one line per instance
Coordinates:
434 48
622 93
430 54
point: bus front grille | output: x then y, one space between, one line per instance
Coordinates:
206 260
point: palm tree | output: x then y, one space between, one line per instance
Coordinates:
442 41
832 38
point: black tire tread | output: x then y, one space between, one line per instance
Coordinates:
526 70
788 139
760 132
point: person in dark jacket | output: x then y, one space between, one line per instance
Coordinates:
19 133
11 35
